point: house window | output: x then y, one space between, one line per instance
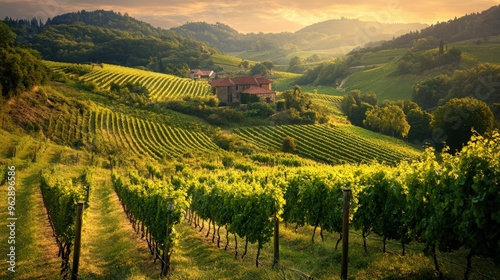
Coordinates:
236 87
229 98
268 99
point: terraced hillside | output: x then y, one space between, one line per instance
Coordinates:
161 87
117 131
330 144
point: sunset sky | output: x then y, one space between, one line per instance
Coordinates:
254 16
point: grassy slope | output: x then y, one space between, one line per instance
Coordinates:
36 251
111 249
387 84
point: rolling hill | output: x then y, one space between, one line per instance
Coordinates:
161 87
316 37
163 185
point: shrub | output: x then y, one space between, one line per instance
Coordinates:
289 145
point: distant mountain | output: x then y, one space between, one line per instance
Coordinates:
109 37
474 26
218 35
352 27
324 35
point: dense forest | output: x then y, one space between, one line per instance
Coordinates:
109 37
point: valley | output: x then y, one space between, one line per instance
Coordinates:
99 108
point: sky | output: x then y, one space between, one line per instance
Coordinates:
268 16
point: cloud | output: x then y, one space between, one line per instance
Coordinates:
254 16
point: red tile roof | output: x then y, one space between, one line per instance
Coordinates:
256 90
256 80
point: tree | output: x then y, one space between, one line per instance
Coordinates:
259 69
458 117
313 58
420 125
428 92
20 68
269 64
244 64
297 100
7 37
389 120
295 61
355 105
296 65
289 145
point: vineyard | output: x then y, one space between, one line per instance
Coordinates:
330 144
447 206
110 131
439 206
161 87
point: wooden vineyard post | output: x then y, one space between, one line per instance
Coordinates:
276 241
34 155
166 252
78 239
87 195
345 233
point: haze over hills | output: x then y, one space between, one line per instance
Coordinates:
329 34
473 26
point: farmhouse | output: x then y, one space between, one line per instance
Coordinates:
230 90
197 74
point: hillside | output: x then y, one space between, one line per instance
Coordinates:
159 87
378 70
478 26
109 37
173 184
329 38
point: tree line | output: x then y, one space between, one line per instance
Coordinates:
20 68
454 122
110 37
478 26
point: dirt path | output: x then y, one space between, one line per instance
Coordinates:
35 247
110 247
339 87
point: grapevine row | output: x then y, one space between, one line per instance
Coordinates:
160 86
153 208
117 130
60 197
328 144
445 204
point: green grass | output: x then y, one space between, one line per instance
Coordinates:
197 257
382 57
283 81
481 53
388 84
281 58
110 248
228 60
385 82
36 251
